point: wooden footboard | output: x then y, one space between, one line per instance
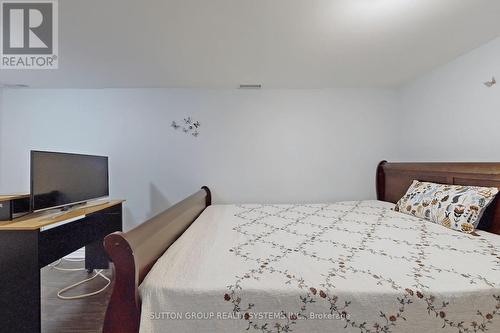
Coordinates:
135 252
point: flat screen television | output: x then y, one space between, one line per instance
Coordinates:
63 180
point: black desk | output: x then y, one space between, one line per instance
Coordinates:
32 242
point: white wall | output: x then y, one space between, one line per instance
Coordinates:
254 146
449 115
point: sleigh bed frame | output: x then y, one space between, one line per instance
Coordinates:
135 252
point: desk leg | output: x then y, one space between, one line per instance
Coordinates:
19 282
95 256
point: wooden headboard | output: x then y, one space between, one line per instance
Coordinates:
393 179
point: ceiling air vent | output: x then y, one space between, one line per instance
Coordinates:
250 86
13 85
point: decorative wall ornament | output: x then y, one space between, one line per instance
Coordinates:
491 83
190 126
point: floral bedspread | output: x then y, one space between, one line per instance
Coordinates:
342 267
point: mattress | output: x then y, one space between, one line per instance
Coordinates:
342 267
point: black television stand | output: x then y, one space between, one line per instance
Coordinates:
33 241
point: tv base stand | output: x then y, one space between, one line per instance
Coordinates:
29 243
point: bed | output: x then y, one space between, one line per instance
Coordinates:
354 266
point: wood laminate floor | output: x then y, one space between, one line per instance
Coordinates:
81 316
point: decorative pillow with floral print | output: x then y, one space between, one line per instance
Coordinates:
453 206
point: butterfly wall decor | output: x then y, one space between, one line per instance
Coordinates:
189 126
491 83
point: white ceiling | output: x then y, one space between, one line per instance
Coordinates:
278 43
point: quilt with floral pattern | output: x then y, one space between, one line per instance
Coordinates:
342 267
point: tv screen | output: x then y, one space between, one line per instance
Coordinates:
61 179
